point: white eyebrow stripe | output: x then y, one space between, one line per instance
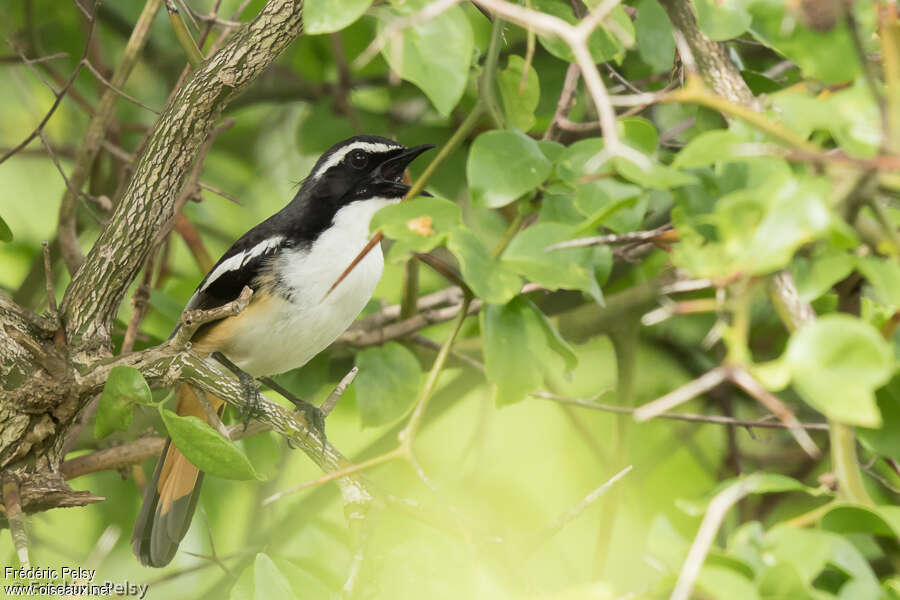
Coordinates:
233 263
339 155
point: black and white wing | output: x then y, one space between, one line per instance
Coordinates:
242 265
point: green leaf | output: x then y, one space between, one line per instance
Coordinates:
720 583
519 103
584 157
206 449
815 276
722 21
124 386
433 54
611 203
512 357
654 35
656 176
882 520
554 338
837 362
6 234
829 56
554 269
326 16
708 148
757 229
602 45
490 279
418 225
884 275
639 133
504 165
387 384
886 439
269 581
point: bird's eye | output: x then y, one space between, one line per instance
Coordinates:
358 159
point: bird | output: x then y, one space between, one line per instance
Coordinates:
290 261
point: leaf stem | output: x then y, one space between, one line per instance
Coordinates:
408 433
195 57
489 75
844 463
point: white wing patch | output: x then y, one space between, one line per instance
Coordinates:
233 263
340 154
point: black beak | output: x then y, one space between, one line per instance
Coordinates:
391 170
393 167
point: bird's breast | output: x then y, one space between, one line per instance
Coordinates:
296 317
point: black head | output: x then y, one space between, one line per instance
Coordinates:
361 168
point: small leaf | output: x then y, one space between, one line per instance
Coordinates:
707 148
584 157
394 221
387 384
815 276
885 440
837 362
206 449
511 359
269 581
878 520
504 165
639 133
124 386
654 35
554 269
5 232
492 280
722 20
602 45
434 54
884 275
326 16
519 103
555 339
655 176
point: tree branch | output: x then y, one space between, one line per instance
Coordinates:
97 289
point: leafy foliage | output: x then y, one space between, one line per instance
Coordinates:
710 206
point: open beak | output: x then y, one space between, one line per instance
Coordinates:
389 174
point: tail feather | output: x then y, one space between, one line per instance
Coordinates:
172 495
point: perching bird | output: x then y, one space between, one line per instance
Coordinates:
290 260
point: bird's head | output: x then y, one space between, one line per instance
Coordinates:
364 167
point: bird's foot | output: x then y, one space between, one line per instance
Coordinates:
249 391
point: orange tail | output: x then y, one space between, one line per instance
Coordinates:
172 495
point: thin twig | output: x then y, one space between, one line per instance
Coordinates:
61 93
48 279
12 502
564 103
332 399
118 91
606 240
715 514
192 320
689 417
688 391
573 513
745 381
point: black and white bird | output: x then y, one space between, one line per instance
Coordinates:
290 260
